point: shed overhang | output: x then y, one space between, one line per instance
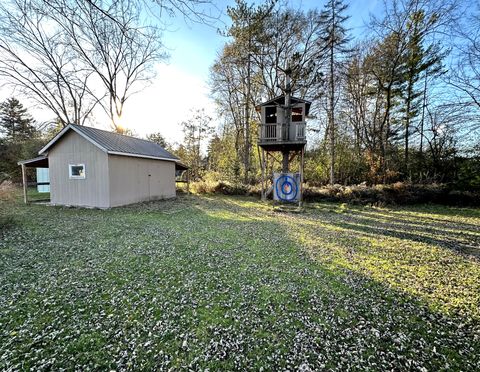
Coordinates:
180 166
38 162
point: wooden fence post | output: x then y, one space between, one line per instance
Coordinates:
25 185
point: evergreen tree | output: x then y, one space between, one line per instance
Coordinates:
16 125
418 61
335 40
19 138
158 139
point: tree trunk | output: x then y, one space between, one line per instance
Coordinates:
386 133
407 126
424 105
247 117
332 118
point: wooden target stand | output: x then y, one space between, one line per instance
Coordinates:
270 162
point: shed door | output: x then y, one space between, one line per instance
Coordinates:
43 177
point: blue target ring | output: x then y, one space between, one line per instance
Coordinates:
286 188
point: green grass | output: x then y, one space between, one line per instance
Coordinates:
34 195
226 283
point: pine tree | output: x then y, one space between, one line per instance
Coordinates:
19 139
335 39
16 124
158 139
418 61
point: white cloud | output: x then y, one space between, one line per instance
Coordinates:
166 103
161 107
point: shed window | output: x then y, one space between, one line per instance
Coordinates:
76 171
297 114
270 114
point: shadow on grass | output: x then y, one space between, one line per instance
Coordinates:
219 283
466 241
421 218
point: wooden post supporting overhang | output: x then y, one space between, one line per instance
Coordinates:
38 162
25 184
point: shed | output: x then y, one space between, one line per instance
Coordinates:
91 167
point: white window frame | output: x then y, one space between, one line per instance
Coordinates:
71 176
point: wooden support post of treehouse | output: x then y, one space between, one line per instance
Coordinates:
25 184
263 167
288 119
188 181
285 159
300 200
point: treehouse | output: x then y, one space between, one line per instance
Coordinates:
282 130
283 125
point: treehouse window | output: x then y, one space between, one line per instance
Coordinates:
270 115
297 114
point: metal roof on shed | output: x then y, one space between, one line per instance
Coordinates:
116 144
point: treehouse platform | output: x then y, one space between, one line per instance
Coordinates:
283 125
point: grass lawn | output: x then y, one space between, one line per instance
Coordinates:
227 283
34 195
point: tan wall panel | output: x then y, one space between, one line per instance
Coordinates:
92 191
130 181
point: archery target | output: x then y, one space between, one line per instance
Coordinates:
286 187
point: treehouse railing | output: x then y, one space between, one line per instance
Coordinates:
277 132
300 131
270 132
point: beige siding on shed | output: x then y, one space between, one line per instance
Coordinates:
93 191
134 180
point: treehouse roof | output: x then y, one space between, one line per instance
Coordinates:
280 101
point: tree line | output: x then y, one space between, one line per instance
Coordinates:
20 138
399 104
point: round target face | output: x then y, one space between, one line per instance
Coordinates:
286 188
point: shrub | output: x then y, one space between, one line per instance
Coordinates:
382 194
8 191
227 188
201 187
469 174
397 193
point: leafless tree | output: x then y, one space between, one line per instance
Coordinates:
73 55
119 53
249 68
35 57
465 70
197 11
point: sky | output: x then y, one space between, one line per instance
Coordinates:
181 83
